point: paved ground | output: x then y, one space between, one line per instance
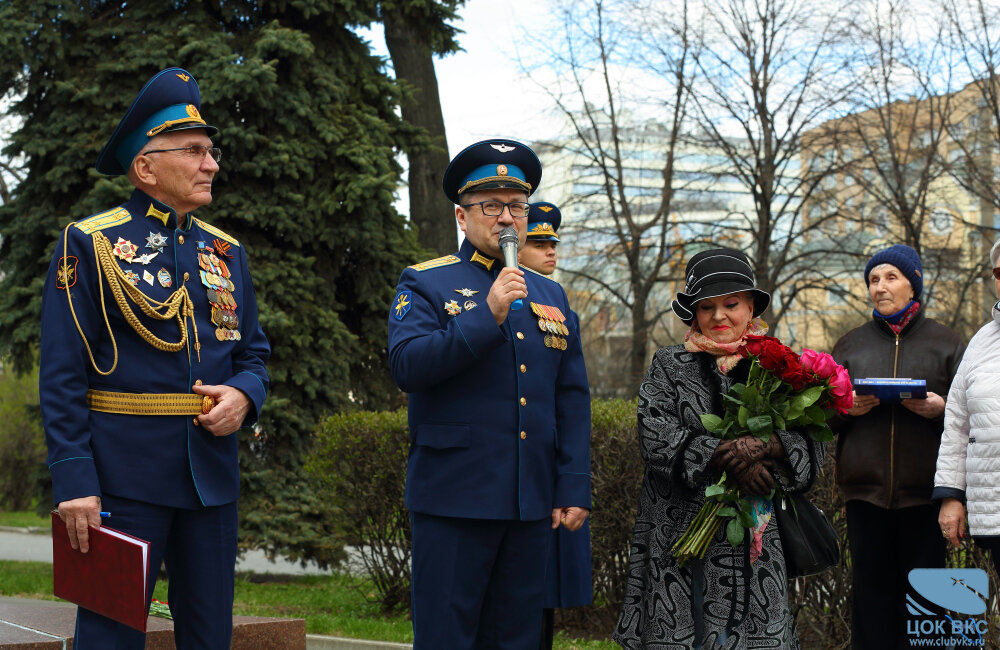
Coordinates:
17 545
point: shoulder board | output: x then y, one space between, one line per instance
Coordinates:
435 263
104 220
215 231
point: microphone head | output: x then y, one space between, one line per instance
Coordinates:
508 237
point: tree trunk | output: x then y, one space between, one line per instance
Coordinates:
638 359
430 210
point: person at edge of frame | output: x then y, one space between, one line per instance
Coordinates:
568 578
499 415
143 385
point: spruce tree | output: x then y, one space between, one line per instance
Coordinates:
309 129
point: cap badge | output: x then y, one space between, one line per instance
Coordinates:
501 170
183 77
192 111
502 148
545 208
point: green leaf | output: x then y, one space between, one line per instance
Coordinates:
746 518
727 512
821 434
761 425
737 390
734 532
742 415
714 491
816 415
711 422
812 394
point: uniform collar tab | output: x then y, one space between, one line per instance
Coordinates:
470 253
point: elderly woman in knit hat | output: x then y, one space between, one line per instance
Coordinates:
886 450
966 473
734 598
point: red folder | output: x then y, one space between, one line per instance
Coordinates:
109 579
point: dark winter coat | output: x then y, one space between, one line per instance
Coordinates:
744 607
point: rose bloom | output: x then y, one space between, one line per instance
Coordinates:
820 363
841 389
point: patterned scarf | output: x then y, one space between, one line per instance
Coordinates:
726 354
901 318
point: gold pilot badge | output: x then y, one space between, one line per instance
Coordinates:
468 293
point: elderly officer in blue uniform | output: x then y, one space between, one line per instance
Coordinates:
499 416
151 358
568 578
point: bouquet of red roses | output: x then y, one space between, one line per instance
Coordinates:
783 391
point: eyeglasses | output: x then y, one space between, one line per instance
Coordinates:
517 209
195 151
996 273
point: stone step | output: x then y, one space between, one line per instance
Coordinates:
45 625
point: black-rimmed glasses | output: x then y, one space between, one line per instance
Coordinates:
195 151
517 209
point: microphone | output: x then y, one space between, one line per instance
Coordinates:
508 244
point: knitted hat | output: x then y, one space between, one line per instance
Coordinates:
717 272
903 258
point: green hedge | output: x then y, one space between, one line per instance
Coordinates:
24 476
359 469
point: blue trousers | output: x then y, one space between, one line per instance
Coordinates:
478 583
199 550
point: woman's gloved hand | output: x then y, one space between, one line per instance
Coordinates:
753 478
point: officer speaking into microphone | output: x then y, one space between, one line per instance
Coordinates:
499 415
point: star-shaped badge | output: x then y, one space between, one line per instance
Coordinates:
468 293
156 241
452 308
125 249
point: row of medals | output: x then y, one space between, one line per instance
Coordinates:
215 275
554 329
550 320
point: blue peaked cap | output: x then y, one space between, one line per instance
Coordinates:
170 101
543 221
492 164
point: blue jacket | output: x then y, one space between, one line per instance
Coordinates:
499 423
159 459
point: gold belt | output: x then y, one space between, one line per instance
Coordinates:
149 403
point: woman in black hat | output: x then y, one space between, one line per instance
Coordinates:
734 598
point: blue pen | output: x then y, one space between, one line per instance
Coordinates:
105 514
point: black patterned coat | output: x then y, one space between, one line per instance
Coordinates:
744 607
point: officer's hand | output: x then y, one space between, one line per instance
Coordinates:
571 517
231 406
929 408
78 514
508 287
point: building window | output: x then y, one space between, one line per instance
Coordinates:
941 221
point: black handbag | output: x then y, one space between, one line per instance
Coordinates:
809 541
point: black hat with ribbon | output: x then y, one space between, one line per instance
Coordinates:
717 272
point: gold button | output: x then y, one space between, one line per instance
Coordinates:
186 276
523 435
180 239
197 382
523 401
524 368
520 336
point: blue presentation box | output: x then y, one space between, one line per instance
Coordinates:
890 389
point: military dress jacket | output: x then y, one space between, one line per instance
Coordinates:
499 416
159 459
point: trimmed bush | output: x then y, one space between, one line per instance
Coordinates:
358 468
23 473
